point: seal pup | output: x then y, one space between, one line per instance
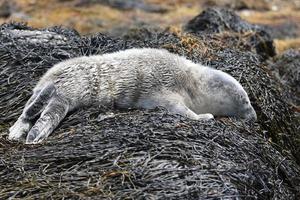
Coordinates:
135 78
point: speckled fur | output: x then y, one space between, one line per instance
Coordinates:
135 78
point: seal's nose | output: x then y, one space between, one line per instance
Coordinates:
251 115
254 116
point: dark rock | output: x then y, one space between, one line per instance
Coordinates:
216 20
238 4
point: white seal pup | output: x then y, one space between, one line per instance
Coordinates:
135 78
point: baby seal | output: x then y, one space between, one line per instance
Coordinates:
134 78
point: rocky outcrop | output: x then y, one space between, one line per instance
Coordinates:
216 20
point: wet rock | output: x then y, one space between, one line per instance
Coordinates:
216 20
21 33
36 36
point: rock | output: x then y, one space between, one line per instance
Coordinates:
5 8
127 5
239 4
216 20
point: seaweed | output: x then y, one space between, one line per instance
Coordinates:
286 68
145 155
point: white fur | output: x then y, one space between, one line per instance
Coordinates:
135 78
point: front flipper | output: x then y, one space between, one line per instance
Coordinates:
174 103
181 109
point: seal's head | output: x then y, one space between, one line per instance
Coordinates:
228 97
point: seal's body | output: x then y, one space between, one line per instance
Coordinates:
135 78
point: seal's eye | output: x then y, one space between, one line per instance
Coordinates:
245 101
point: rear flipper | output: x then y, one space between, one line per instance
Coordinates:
173 103
32 109
53 114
